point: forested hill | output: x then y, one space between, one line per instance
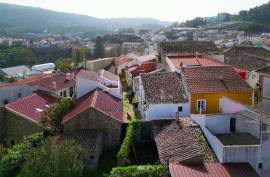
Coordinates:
254 20
22 19
260 14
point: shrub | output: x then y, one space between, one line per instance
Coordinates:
139 171
16 155
123 153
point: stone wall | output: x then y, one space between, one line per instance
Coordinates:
96 120
17 127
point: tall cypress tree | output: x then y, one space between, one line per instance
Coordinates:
99 51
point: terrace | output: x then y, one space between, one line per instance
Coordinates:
231 139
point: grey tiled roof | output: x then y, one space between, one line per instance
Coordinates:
163 88
87 139
15 70
180 141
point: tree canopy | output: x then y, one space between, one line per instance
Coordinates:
99 51
63 160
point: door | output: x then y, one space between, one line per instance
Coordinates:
232 124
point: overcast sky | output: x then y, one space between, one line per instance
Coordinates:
172 10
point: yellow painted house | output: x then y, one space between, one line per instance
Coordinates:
207 85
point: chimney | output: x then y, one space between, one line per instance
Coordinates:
68 76
177 116
54 84
197 55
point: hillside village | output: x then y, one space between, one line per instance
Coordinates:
182 100
184 110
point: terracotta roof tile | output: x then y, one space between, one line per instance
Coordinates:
121 59
193 61
90 75
99 100
32 107
214 79
163 88
213 170
109 75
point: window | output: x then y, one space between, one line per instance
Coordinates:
201 105
92 157
6 101
19 95
61 94
232 124
180 108
65 93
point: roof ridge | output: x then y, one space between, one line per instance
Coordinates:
94 100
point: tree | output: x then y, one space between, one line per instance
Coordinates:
54 115
99 51
64 64
63 160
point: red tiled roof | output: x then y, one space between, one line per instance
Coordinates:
213 170
144 68
121 59
99 100
109 75
29 107
26 81
193 61
48 82
90 75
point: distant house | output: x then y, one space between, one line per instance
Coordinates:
161 95
87 81
17 72
206 85
46 67
130 46
264 88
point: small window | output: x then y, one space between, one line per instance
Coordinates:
65 93
6 101
92 157
201 105
61 94
19 95
180 108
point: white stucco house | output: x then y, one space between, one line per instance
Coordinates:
87 81
161 95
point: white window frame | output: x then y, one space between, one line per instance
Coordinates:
203 109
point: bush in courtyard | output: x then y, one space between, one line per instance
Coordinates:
15 156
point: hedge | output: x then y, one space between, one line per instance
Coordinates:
139 171
123 153
15 155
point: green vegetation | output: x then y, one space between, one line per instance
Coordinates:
54 115
123 153
16 154
99 51
64 64
128 109
139 171
65 159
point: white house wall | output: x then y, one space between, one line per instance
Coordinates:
266 87
84 86
161 111
218 124
12 93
